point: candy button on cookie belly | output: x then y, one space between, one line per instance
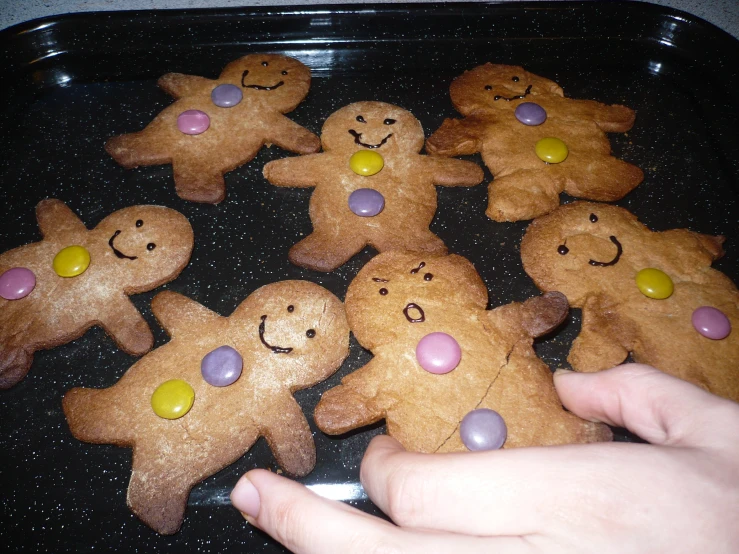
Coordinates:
711 322
366 163
551 150
193 122
71 261
226 96
483 429
222 367
366 202
529 113
654 283
17 283
172 399
438 353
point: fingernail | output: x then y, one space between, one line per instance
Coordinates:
562 371
245 497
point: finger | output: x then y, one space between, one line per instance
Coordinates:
524 492
306 523
659 408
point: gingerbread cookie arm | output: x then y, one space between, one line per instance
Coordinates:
534 317
290 438
611 119
180 84
604 340
55 217
126 325
449 172
298 171
288 135
355 403
176 312
457 137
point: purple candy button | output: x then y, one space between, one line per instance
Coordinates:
438 353
712 323
226 96
193 122
222 366
483 429
529 113
366 202
17 283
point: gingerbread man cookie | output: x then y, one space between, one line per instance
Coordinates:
372 187
198 403
651 294
52 291
447 374
536 142
217 125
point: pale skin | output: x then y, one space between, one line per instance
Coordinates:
676 494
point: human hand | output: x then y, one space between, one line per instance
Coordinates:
678 494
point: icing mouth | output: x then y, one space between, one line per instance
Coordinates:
614 261
358 136
116 251
419 311
519 97
260 87
275 349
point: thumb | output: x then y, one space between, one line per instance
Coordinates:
659 408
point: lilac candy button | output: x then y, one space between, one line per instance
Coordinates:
222 366
366 202
438 353
711 322
529 113
226 96
17 283
483 429
193 122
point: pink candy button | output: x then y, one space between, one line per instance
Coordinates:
17 283
193 122
711 323
438 353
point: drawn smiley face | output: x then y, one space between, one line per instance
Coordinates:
372 126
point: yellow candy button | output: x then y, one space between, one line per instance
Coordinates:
551 150
366 162
71 261
172 399
654 283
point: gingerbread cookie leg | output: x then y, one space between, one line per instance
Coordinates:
419 240
602 342
602 178
196 182
324 251
521 195
14 365
291 440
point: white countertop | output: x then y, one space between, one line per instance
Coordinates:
722 13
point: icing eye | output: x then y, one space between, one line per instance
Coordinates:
428 277
383 291
139 222
389 121
562 249
310 333
265 64
151 246
488 87
593 218
284 72
291 308
361 119
515 79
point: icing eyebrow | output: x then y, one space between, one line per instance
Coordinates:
380 280
417 269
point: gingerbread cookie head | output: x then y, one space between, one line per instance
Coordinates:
144 245
280 81
377 126
498 87
396 292
300 325
584 248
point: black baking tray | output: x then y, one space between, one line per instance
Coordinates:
70 82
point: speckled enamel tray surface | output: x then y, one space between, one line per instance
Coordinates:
71 82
